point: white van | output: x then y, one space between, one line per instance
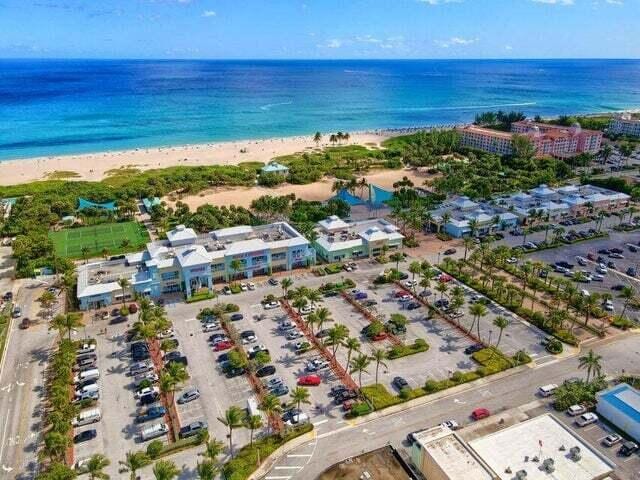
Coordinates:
154 431
91 374
86 417
252 407
585 293
88 389
547 390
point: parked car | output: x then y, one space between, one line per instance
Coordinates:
189 395
400 383
586 419
279 390
273 382
151 413
85 436
149 398
265 371
471 349
450 424
193 428
575 410
248 336
309 380
480 413
611 440
236 316
450 251
146 391
271 305
273 281
628 448
223 345
316 365
293 334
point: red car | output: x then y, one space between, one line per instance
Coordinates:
224 345
444 278
310 380
348 405
133 308
480 413
399 293
380 336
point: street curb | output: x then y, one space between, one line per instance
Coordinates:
280 452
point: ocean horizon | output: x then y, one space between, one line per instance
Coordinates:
62 107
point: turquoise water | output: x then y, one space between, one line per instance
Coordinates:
60 107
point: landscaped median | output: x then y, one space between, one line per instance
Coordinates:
249 458
490 360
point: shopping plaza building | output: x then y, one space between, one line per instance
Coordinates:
190 263
548 140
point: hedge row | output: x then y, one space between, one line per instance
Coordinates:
398 351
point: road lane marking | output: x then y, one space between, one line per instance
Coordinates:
288 467
272 477
296 455
315 424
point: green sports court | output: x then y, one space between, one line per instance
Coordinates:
70 242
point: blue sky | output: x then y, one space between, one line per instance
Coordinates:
320 28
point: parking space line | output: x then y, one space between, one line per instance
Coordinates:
288 467
272 477
297 455
315 424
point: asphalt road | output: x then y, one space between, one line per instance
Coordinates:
332 446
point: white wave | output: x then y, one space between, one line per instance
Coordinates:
269 106
470 107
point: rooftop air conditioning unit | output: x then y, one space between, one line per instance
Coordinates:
548 465
575 454
521 475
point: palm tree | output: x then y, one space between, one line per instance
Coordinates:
300 303
270 405
232 419
317 138
626 293
397 257
468 244
253 423
502 323
165 470
379 355
235 266
337 334
414 268
359 364
592 363
286 285
442 288
299 395
96 464
133 462
478 310
351 344
207 470
124 284
55 444
84 251
322 315
314 296
590 302
66 323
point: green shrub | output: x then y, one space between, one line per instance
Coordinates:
492 359
235 288
198 297
554 346
333 268
271 179
124 311
360 409
155 448
379 396
622 323
397 351
231 308
577 392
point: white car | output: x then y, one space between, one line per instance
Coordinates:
608 305
293 334
251 286
249 339
574 410
273 382
256 349
298 419
307 309
450 424
244 287
286 325
602 269
597 277
512 260
210 327
317 364
586 419
410 283
271 305
166 334
146 391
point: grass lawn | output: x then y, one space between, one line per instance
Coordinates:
110 236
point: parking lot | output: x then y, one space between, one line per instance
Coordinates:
613 277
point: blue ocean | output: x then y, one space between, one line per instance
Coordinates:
53 107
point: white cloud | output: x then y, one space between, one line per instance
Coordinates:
555 2
333 43
208 13
614 2
455 42
439 2
508 47
366 39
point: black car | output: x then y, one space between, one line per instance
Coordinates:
344 396
7 296
336 390
223 358
139 346
403 276
412 305
400 383
618 287
322 333
253 354
85 436
273 281
564 264
289 414
450 251
611 265
248 334
149 398
236 316
266 371
216 336
172 356
118 319
604 251
628 448
140 355
231 372
473 348
616 250
331 293
182 359
441 303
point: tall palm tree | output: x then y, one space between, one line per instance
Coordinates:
397 257
592 363
589 304
123 283
317 138
84 251
323 315
502 323
232 419
270 405
133 462
468 244
165 470
627 293
235 266
95 465
478 310
336 336
314 296
212 450
66 323
299 395
414 268
286 285
207 470
351 344
379 355
359 364
300 303
253 423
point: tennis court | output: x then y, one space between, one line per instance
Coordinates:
69 243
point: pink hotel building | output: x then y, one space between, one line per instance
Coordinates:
548 140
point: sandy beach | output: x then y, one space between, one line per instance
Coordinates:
243 196
94 166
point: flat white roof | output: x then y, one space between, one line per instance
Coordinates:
181 233
506 450
451 454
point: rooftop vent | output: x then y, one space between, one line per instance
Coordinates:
521 475
575 454
548 465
